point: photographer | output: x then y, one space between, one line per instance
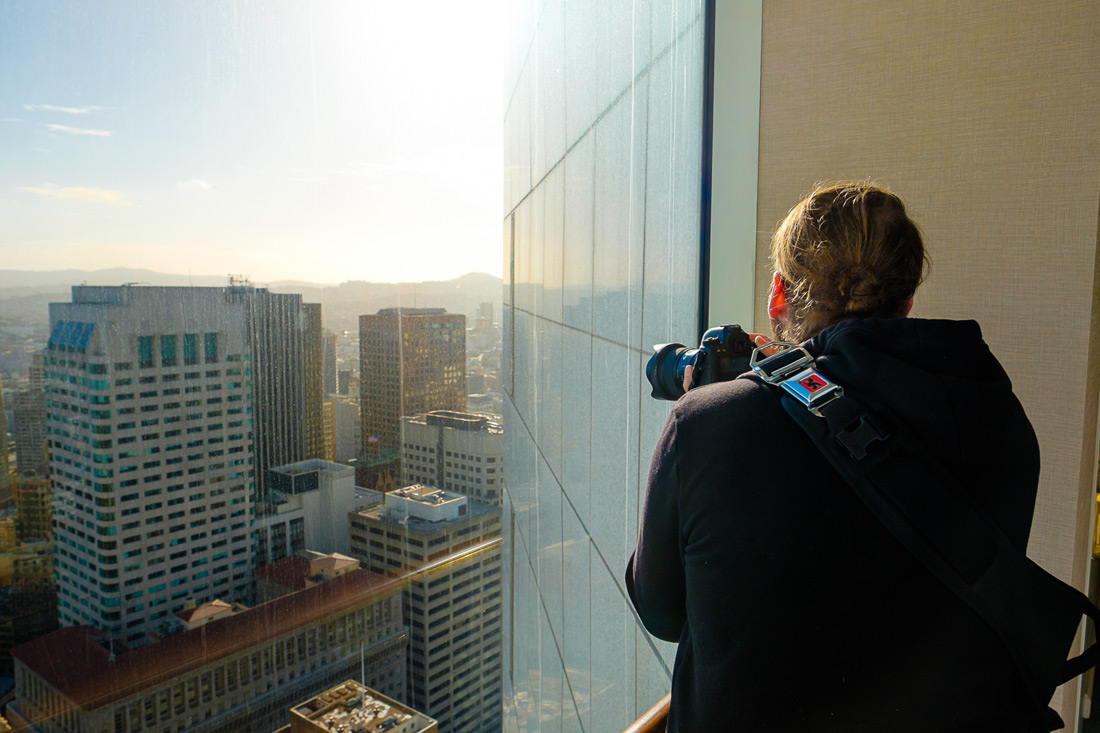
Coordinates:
794 608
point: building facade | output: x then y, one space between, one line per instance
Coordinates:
447 549
313 346
240 672
456 451
412 360
157 383
283 398
347 428
307 507
28 597
30 493
5 469
29 418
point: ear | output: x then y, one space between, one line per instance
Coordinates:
777 298
908 305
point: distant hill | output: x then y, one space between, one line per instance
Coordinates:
35 280
24 294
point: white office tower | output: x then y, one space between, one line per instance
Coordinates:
448 550
306 507
456 451
150 428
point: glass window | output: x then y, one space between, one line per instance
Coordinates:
145 351
210 347
168 351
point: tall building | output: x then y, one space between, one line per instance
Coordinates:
5 469
151 450
29 418
28 597
329 442
30 493
455 451
448 549
313 343
242 670
412 360
329 381
484 315
348 442
285 413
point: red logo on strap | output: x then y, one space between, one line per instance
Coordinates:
812 383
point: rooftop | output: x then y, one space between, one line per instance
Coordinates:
353 708
412 311
207 612
457 421
396 516
76 661
337 470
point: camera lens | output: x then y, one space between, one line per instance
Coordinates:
665 370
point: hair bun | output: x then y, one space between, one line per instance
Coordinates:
858 290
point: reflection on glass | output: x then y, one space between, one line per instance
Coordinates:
623 195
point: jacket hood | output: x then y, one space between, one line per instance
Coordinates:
936 377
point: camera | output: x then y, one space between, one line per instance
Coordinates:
723 354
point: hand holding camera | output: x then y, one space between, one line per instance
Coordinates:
723 354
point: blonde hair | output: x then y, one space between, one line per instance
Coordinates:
848 250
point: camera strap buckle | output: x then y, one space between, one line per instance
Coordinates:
811 389
792 369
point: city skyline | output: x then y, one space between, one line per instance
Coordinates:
236 138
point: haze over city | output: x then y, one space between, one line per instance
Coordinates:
284 141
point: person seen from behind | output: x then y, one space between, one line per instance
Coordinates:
794 608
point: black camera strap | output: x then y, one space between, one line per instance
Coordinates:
1034 614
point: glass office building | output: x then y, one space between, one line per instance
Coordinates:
650 150
603 156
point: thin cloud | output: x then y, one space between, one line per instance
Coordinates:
10 119
78 130
66 110
90 195
195 184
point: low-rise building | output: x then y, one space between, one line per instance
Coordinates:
240 672
298 572
306 506
355 707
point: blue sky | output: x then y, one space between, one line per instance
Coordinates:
321 141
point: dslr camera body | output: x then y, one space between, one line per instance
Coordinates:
723 354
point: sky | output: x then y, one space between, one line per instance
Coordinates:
318 141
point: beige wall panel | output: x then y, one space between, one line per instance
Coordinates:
985 118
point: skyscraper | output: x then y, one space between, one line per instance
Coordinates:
4 469
455 451
29 413
412 360
449 548
313 342
150 411
277 328
30 493
328 365
347 428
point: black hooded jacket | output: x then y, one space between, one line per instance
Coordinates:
794 608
